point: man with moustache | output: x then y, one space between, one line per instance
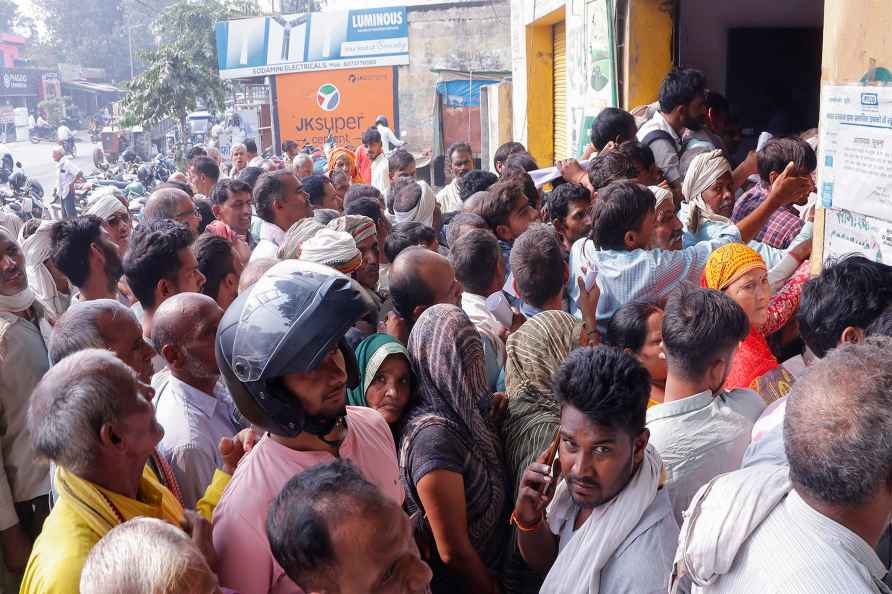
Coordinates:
84 252
282 353
708 190
24 478
607 524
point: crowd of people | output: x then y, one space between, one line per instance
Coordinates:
624 380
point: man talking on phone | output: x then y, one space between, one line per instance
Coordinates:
597 515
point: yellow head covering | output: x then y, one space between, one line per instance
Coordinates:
728 263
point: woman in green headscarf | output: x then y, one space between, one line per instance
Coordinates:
385 377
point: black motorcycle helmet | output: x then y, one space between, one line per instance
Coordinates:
285 323
144 174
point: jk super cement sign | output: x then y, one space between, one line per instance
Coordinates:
281 44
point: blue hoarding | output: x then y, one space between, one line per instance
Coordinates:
280 44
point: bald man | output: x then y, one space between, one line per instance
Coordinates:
102 324
194 409
174 204
419 279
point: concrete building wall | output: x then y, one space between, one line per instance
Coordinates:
463 36
704 24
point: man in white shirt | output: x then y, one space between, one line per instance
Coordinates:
682 96
388 138
700 430
371 138
811 527
63 133
281 201
460 158
194 409
68 174
24 477
608 525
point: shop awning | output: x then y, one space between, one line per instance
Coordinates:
92 87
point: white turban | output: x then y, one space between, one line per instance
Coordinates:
37 248
104 203
703 171
423 211
661 194
336 249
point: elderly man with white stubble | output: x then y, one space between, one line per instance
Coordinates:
192 406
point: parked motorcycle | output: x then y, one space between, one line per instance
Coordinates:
25 196
42 134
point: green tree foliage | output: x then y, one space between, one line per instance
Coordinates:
182 72
90 33
9 13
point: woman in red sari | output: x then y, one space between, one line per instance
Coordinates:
741 273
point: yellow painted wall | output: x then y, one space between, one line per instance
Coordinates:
540 87
648 50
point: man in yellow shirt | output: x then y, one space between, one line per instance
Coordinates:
93 418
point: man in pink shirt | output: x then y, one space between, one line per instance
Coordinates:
281 349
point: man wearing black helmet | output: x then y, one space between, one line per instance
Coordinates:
281 349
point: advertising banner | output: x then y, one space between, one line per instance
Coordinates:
345 102
281 44
17 83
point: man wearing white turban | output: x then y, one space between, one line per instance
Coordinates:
336 249
708 189
108 205
50 286
415 202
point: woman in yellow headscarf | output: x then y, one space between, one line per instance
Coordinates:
343 159
741 273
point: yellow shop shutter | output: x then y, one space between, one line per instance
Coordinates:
559 42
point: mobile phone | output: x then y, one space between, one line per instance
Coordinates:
590 277
551 452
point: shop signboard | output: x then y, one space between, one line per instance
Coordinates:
15 82
343 102
281 44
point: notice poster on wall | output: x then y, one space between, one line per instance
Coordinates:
593 44
847 232
855 170
343 102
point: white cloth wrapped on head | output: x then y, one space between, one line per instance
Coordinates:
336 249
703 171
37 248
105 202
423 212
661 194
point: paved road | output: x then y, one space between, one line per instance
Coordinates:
37 159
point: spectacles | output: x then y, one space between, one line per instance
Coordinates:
192 212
